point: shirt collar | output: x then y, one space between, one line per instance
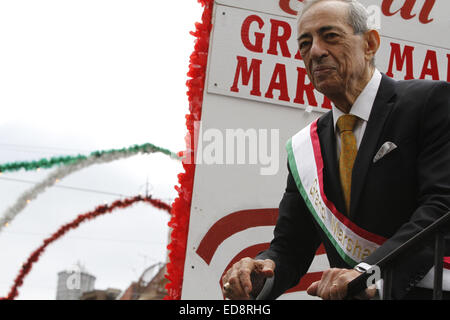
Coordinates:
364 103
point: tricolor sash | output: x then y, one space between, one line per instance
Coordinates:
352 242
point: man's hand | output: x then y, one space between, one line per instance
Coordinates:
333 285
246 276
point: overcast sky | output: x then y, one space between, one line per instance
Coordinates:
79 76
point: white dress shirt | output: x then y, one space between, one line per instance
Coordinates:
361 109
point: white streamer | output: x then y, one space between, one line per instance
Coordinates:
54 177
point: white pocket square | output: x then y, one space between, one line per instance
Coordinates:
384 150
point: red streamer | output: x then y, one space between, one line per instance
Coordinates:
182 205
100 210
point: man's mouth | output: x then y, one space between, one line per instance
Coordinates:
323 70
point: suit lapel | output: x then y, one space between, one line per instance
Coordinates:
332 182
380 111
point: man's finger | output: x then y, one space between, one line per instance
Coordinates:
236 291
247 266
265 267
245 282
246 276
239 279
226 276
334 292
312 289
232 289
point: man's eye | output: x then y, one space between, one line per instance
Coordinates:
304 44
331 36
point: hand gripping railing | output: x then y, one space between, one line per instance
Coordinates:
438 229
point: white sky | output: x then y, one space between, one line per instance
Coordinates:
84 75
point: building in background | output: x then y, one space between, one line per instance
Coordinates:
73 283
150 286
78 284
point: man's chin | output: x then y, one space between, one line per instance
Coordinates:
328 89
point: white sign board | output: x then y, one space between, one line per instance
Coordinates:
257 88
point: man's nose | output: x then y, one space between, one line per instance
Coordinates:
318 49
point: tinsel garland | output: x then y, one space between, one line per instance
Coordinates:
181 208
67 160
100 210
95 158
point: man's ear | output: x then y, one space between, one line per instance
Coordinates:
372 42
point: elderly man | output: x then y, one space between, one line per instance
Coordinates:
365 177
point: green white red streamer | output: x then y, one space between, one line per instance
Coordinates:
63 171
67 160
100 210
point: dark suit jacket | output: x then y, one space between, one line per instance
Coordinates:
396 197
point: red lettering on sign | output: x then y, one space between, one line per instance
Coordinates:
406 11
303 88
430 66
285 5
277 39
425 12
278 82
400 59
407 8
280 34
247 72
257 46
279 72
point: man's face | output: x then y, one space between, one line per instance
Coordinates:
333 55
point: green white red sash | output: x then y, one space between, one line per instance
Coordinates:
352 243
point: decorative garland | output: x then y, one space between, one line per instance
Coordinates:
67 160
182 205
81 162
100 210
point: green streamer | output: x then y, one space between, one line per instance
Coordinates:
67 160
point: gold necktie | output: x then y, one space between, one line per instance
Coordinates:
346 123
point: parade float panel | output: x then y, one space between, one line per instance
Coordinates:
257 95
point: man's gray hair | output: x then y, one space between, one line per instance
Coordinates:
357 15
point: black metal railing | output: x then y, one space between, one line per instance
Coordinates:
438 228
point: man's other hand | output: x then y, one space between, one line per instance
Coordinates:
246 276
333 285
